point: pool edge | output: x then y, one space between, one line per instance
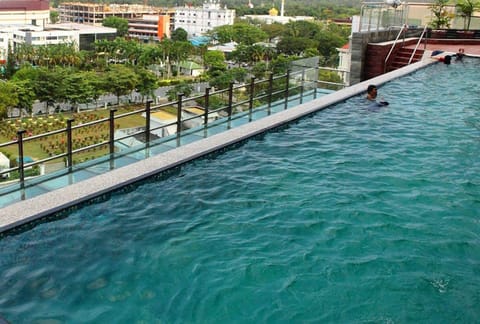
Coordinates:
38 207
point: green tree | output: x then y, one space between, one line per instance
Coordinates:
8 98
49 85
328 43
259 70
97 84
240 54
78 89
147 82
120 80
465 9
222 34
221 80
302 28
294 45
248 34
118 23
238 74
182 87
25 94
180 52
179 35
441 16
273 30
54 16
215 60
281 64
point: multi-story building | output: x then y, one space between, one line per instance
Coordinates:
23 12
94 14
151 27
144 22
81 36
198 20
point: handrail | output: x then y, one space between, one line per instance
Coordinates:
393 46
418 43
256 93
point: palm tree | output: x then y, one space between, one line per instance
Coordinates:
465 9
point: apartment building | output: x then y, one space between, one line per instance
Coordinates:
198 20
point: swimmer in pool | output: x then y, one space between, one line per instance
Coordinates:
372 93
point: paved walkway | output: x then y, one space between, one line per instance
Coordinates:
470 49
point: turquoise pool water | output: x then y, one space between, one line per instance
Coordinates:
350 215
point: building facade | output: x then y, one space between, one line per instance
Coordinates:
94 14
23 12
198 20
151 27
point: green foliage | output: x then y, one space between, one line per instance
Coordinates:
248 34
120 80
330 76
26 94
238 74
465 9
441 16
179 34
147 82
8 98
281 64
182 87
273 30
242 33
222 34
292 45
215 60
259 70
120 24
54 16
302 28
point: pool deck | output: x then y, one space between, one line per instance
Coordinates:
38 207
453 47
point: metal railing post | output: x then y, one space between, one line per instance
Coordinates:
69 144
147 122
111 122
302 86
230 99
207 102
179 114
111 139
270 90
21 169
252 95
287 84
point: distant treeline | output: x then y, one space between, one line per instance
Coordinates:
321 9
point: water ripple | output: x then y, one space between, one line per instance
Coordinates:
347 216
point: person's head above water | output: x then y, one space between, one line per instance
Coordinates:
371 92
372 96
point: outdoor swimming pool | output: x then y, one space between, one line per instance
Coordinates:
350 215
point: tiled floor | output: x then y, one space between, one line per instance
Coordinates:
453 48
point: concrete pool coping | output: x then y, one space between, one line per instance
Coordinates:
49 203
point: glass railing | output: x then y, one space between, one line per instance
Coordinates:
86 148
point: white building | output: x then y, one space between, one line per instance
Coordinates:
23 12
197 21
82 36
